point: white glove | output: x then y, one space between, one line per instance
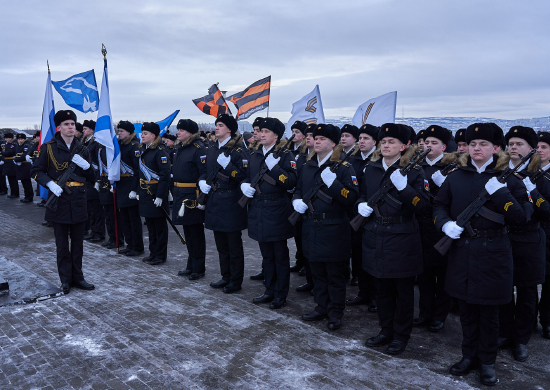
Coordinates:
452 230
200 207
247 190
132 195
328 176
112 190
52 185
205 188
364 209
2 162
81 162
158 202
299 206
398 180
96 186
438 178
493 185
223 160
18 163
271 161
28 158
529 184
171 176
182 210
137 197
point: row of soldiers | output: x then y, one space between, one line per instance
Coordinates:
16 156
322 178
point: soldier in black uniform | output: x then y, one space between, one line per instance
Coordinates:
33 153
480 265
188 165
392 251
70 217
223 215
3 186
368 138
107 201
434 302
96 218
460 140
420 140
326 231
269 209
9 152
23 164
127 189
528 248
154 180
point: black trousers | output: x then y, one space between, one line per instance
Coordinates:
132 228
27 188
3 185
395 301
356 253
231 254
196 247
300 257
330 287
109 211
96 219
434 302
276 266
544 303
516 318
158 237
479 331
69 259
14 185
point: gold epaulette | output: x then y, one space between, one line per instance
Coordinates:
196 145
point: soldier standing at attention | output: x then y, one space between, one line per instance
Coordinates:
70 217
23 164
8 152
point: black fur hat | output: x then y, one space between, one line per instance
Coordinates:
63 115
351 129
311 128
302 126
78 126
421 135
486 131
188 125
21 136
438 132
229 121
89 124
275 125
394 130
330 131
257 122
126 125
151 127
544 136
460 136
526 133
369 130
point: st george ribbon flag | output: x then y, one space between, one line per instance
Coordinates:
105 132
47 130
79 91
163 124
376 111
253 99
214 103
308 109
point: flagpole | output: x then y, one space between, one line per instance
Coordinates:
269 96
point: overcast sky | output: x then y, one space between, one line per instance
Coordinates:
444 58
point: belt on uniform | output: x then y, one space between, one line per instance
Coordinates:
392 220
9 158
104 174
275 196
517 229
319 215
73 184
186 185
142 181
124 175
487 233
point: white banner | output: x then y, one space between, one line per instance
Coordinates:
376 111
308 109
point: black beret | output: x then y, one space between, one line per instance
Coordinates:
486 131
275 125
299 125
37 134
460 136
63 115
438 132
330 131
351 129
311 128
89 124
126 125
188 125
21 136
526 133
8 135
369 130
394 130
171 137
544 136
151 127
257 122
421 135
79 126
229 121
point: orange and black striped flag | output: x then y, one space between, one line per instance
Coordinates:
212 104
252 99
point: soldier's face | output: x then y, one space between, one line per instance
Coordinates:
517 146
169 142
222 131
147 137
462 147
543 149
267 137
257 133
88 132
8 139
67 128
347 140
437 147
20 141
391 147
366 143
420 144
481 150
298 136
121 133
183 134
323 144
309 140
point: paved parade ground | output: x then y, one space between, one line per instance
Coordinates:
144 327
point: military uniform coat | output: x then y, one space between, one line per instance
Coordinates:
129 172
93 151
543 186
9 150
106 197
23 171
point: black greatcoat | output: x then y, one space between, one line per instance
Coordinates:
129 181
33 151
329 239
188 164
53 160
156 159
93 151
223 213
543 186
9 152
105 194
270 208
393 250
24 170
480 270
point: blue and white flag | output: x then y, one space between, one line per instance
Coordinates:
308 109
47 130
105 131
376 111
79 91
163 124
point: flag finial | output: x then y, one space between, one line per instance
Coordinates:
104 51
47 63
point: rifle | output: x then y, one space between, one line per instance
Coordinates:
201 199
463 220
262 174
373 201
315 190
51 203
